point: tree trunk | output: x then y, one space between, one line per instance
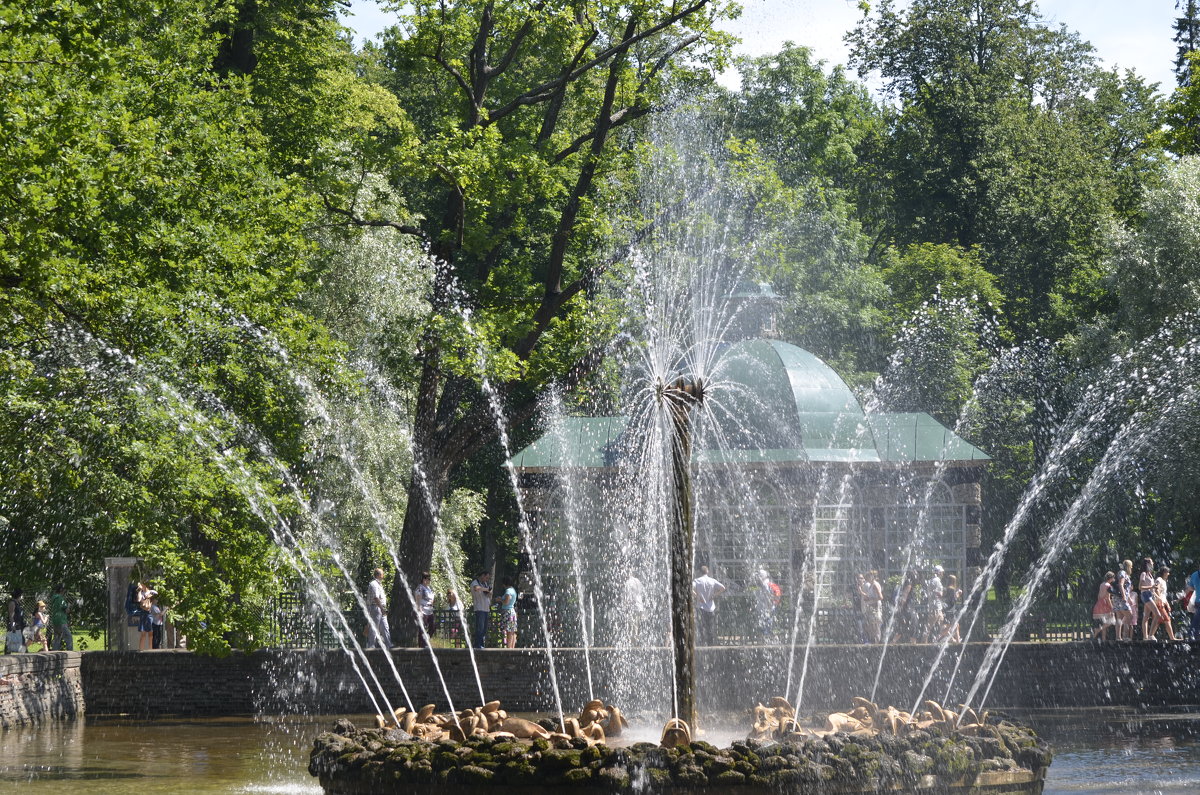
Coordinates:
416 551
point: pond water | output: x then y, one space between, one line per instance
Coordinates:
1095 751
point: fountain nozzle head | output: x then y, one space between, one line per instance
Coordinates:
692 388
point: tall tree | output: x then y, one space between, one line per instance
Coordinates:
1004 139
154 259
1182 113
522 115
1187 39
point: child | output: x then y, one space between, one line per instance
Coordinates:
41 619
157 614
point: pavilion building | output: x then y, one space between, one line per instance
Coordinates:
818 489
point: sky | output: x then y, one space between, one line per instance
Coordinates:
1131 34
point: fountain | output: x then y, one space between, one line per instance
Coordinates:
715 411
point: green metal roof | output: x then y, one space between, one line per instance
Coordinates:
579 442
796 398
773 403
916 436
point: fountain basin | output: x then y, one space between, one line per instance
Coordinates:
1010 758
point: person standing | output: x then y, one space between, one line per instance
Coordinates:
60 620
378 631
481 598
1102 611
767 603
1161 605
41 626
1123 604
1146 597
456 617
508 613
934 615
1191 605
14 637
952 599
424 598
157 616
706 589
145 618
872 607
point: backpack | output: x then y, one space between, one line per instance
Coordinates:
131 605
776 594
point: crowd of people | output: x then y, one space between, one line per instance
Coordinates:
922 608
1119 603
147 613
424 600
48 626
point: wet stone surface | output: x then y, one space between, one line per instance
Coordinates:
1006 756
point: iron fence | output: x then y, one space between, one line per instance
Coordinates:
297 623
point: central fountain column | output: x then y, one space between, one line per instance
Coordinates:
680 398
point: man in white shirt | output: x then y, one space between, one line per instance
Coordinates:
706 590
934 607
378 631
481 596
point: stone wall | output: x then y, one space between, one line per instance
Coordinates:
35 688
161 683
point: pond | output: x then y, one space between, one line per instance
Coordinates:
1095 751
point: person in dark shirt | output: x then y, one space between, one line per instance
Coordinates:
14 638
60 620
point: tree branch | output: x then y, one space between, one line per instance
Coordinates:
684 43
524 349
479 69
550 119
621 117
354 220
545 90
507 59
437 57
583 184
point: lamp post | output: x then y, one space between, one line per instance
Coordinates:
680 398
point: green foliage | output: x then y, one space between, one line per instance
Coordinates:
152 262
1155 268
927 271
797 129
1008 139
1182 113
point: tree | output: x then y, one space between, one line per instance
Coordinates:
154 253
1182 113
1156 267
523 114
1187 40
797 130
1008 139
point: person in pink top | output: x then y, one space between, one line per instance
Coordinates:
1102 611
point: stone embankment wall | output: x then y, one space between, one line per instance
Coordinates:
1033 675
35 688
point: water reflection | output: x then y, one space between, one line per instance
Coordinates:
1116 750
1099 750
227 755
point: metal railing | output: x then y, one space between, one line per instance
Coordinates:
295 623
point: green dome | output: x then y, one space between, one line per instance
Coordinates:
768 402
770 395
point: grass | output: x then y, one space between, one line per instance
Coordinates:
84 640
